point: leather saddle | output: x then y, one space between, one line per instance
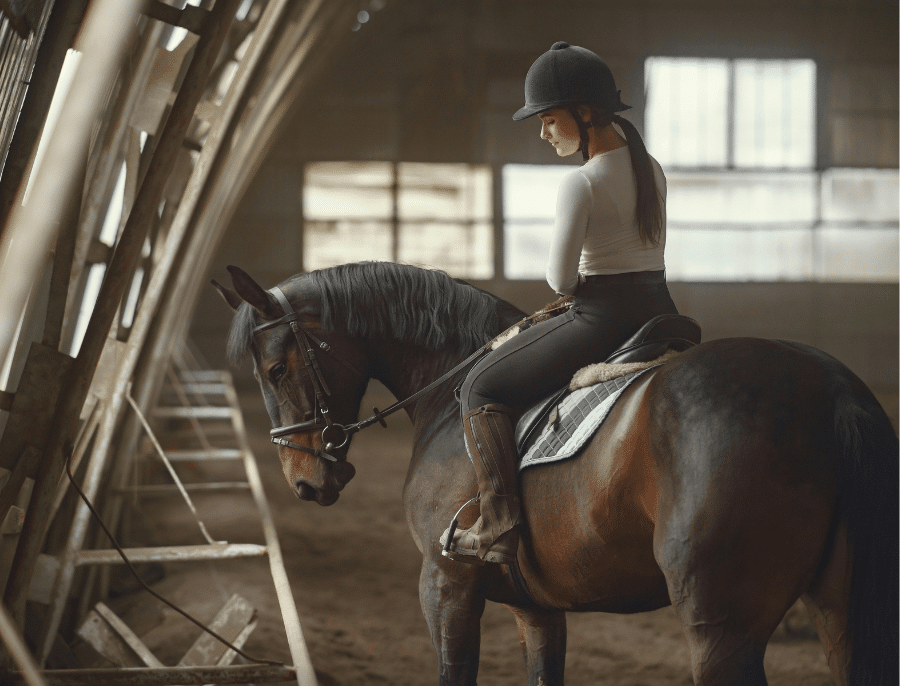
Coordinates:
662 333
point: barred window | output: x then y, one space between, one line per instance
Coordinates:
758 114
837 225
430 215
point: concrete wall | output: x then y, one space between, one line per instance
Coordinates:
438 82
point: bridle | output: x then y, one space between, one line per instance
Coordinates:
335 436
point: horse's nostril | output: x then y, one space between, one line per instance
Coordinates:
303 490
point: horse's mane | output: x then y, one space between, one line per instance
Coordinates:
422 307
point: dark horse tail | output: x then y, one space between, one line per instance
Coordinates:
869 504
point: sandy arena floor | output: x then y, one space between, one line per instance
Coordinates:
354 571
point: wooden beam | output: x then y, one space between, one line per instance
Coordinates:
117 279
228 623
19 652
172 553
65 19
127 635
97 633
191 18
149 676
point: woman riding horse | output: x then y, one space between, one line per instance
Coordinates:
731 481
607 250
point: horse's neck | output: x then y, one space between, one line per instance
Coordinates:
405 369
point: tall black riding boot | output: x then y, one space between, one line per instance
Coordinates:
492 449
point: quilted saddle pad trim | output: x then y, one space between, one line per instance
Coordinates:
581 414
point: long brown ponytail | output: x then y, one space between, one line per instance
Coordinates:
649 210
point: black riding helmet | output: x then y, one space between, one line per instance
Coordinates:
568 76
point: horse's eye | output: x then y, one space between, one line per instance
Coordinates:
277 372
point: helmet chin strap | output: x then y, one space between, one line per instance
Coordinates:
600 122
582 132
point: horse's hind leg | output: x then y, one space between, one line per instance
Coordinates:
734 563
543 637
721 653
826 602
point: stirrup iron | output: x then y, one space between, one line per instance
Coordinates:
446 552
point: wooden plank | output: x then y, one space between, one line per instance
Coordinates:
18 650
168 489
100 636
204 375
229 655
200 454
220 429
158 89
204 388
127 635
19 490
46 569
15 517
39 389
155 676
205 412
173 553
231 620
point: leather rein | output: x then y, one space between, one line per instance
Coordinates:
335 436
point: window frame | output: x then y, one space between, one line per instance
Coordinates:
731 96
395 219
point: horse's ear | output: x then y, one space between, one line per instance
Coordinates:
250 291
233 299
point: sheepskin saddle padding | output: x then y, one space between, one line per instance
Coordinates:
596 373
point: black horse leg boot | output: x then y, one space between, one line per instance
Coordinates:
492 449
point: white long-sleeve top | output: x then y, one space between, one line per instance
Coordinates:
596 228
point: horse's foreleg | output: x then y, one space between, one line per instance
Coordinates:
453 606
543 637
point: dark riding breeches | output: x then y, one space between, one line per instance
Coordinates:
544 357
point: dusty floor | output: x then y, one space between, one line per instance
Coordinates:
354 571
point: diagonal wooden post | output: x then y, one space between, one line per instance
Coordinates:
118 278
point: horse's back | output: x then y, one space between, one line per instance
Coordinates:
731 481
777 477
717 448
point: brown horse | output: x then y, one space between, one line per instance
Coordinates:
740 476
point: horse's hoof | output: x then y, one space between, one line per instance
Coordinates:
459 557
